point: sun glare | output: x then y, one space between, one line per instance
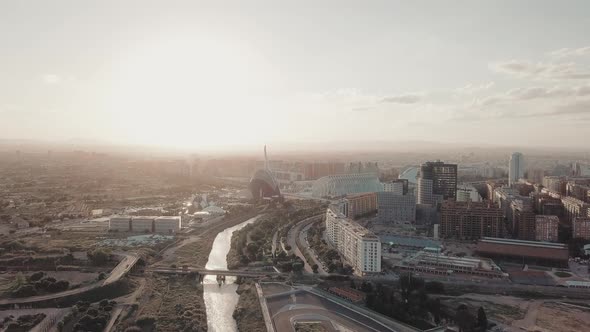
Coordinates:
184 90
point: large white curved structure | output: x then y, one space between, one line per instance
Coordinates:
410 174
343 184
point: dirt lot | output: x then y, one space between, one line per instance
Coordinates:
562 318
504 309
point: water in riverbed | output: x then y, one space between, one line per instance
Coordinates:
220 302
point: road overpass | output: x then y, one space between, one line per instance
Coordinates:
204 271
123 267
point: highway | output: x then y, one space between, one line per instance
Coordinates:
311 252
292 239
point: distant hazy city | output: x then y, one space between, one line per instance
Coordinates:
294 166
106 241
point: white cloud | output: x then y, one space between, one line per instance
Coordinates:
51 79
540 70
474 88
568 52
408 98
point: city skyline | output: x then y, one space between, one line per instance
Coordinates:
176 75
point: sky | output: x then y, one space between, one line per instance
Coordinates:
233 74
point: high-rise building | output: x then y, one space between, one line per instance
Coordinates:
437 181
515 168
470 220
358 246
546 228
393 208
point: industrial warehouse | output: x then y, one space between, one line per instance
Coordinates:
525 252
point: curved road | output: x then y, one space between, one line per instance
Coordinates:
119 271
292 236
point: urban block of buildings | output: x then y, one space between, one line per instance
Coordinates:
358 205
470 220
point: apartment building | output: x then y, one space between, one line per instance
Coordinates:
358 246
546 228
392 208
357 205
574 207
470 220
581 227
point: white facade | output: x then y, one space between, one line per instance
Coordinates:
142 224
515 168
357 246
425 191
120 224
396 208
468 192
394 187
167 224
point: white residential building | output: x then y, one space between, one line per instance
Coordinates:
167 224
467 192
358 246
398 187
120 224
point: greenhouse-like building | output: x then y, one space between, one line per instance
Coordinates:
344 184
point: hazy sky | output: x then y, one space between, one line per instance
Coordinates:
204 74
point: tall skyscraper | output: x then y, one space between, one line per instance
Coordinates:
515 168
437 181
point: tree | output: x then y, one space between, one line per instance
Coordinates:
435 287
37 276
288 247
464 319
315 268
297 266
98 257
482 319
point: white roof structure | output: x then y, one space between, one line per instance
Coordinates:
344 184
410 174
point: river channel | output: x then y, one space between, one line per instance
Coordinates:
221 301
